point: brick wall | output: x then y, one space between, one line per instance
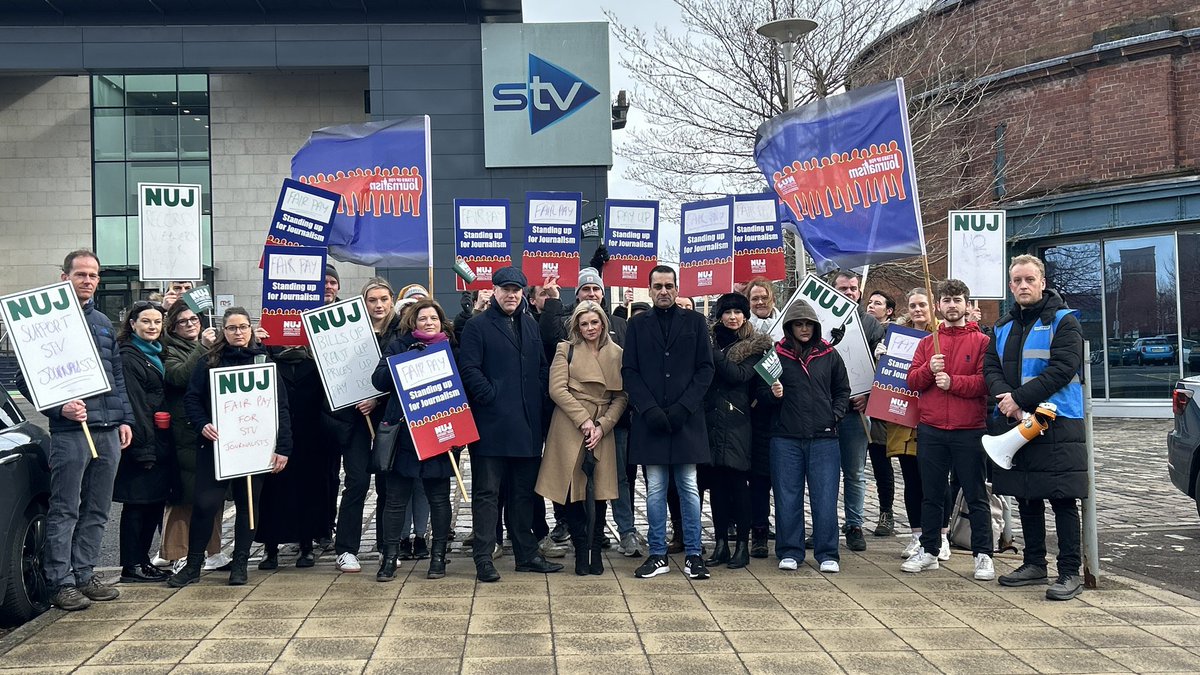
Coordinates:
45 177
258 122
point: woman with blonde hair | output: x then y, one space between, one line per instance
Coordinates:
589 397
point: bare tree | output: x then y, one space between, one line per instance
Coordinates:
706 89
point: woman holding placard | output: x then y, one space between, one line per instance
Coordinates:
184 341
423 323
236 345
589 398
737 347
145 475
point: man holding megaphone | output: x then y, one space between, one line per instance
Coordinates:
1035 358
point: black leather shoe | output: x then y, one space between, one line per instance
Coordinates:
270 560
758 543
740 557
538 564
237 569
486 572
142 574
720 554
306 559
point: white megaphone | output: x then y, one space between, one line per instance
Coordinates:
1002 448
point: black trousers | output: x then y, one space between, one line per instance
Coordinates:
138 523
729 494
760 501
400 490
210 502
356 454
914 495
575 514
885 475
938 452
1066 524
521 505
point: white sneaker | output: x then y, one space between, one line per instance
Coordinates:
498 552
984 570
912 548
830 567
919 562
944 553
789 564
178 565
216 561
348 562
159 561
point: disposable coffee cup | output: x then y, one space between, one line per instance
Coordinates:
162 420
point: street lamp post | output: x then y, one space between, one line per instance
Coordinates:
785 33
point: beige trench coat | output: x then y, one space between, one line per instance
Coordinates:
592 390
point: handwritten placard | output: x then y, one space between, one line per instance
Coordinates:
706 247
54 345
891 399
169 232
481 241
433 399
833 310
245 411
552 236
293 281
632 241
344 346
976 252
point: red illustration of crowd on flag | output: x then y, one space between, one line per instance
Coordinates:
839 181
379 190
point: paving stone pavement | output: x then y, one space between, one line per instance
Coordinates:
869 618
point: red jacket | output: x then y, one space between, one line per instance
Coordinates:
964 405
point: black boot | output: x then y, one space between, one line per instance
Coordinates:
419 550
437 560
582 556
388 562
237 569
720 554
596 565
190 573
758 542
270 559
740 557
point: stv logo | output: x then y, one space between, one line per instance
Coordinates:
552 94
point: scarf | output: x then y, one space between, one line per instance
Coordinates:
428 338
723 336
151 350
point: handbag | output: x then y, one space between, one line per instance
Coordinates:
383 450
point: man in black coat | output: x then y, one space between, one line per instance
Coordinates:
1035 356
505 372
667 368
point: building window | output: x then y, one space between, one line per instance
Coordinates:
1142 317
145 128
1074 270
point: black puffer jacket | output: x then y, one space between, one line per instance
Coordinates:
727 403
111 408
816 388
1053 465
146 473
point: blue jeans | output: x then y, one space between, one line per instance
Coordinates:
622 509
656 506
852 438
795 463
80 496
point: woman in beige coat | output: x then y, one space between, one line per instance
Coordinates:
585 384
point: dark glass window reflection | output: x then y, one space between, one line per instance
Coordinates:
1074 271
1189 302
1140 310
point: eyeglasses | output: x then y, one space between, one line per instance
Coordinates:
238 329
187 322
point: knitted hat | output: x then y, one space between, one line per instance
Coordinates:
588 276
413 291
331 271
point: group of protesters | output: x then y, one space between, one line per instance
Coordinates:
568 402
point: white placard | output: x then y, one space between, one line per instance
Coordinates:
290 267
245 411
54 345
169 232
308 205
631 218
482 217
552 211
344 346
834 309
754 211
711 219
976 253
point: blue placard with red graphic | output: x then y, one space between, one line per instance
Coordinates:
302 215
706 247
551 236
293 281
631 237
891 400
757 238
433 398
481 240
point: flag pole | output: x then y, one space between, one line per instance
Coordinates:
462 489
87 433
250 499
933 321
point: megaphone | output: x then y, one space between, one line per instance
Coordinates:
1002 448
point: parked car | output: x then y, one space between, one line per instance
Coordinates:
1153 350
24 500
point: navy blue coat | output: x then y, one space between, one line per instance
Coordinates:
661 372
507 383
406 462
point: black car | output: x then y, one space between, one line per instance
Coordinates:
24 500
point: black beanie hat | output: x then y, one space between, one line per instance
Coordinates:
731 301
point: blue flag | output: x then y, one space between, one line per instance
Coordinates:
381 170
842 167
